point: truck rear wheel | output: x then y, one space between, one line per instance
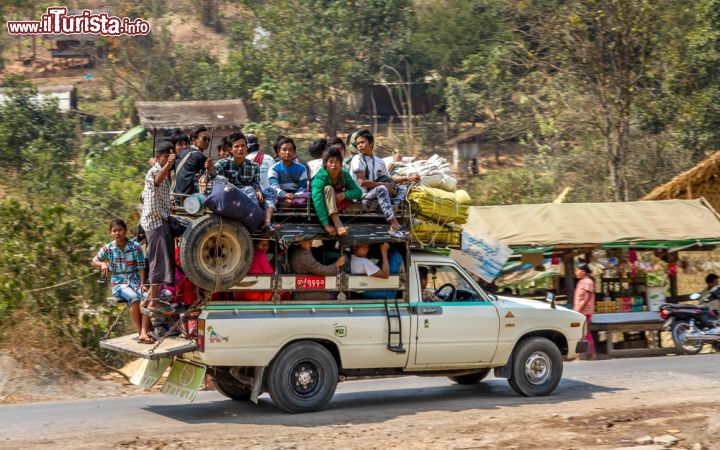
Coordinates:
471 378
537 367
216 252
302 378
230 387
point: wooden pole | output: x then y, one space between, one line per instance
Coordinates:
569 276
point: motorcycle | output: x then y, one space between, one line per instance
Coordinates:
692 326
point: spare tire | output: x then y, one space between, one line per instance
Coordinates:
216 252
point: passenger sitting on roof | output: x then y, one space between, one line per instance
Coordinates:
332 191
223 149
316 149
299 160
256 155
288 178
245 174
303 262
372 176
360 264
190 160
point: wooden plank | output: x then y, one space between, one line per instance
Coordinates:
129 345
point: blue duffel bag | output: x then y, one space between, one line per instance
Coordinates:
229 201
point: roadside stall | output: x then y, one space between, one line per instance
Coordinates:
632 249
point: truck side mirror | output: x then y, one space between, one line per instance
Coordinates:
550 298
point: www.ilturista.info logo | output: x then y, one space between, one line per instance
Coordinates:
57 21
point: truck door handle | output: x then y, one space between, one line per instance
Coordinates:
430 310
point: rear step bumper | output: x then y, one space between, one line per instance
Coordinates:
171 346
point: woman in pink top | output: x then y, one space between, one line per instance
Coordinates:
584 303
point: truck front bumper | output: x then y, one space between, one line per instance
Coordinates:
582 346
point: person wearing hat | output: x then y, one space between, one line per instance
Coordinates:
584 303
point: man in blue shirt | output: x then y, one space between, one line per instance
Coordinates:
288 178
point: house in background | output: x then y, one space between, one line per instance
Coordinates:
703 180
66 96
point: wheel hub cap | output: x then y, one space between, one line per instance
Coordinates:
304 378
538 368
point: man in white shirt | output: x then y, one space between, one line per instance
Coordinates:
360 264
371 174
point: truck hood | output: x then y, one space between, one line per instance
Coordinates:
523 303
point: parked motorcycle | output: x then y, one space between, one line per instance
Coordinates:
692 326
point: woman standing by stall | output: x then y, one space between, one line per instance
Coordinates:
584 303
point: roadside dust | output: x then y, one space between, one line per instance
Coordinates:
640 411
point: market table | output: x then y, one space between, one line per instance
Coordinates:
630 322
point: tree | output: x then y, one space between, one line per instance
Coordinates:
314 51
36 140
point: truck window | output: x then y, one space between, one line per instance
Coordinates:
445 284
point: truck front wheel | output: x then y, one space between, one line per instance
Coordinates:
471 378
302 378
537 367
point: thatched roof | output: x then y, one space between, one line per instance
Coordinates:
211 113
682 185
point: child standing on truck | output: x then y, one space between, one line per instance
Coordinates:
124 261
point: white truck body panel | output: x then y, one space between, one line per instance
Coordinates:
437 335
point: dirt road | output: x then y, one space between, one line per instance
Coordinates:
650 403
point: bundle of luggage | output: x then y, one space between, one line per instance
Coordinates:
438 207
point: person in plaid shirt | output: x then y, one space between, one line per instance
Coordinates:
124 261
245 174
154 220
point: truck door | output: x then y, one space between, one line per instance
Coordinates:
457 323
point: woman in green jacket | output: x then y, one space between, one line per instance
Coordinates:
332 190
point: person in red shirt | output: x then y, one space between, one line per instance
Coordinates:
584 303
260 266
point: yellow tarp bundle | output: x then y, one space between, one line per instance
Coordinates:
429 232
437 204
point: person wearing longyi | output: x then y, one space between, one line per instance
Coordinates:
154 220
332 191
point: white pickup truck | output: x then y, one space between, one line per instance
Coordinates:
298 350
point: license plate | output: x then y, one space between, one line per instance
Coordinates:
184 380
310 283
149 372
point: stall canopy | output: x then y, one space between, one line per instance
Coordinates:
670 224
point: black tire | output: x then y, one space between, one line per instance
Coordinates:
214 267
680 328
302 378
230 387
471 378
536 367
